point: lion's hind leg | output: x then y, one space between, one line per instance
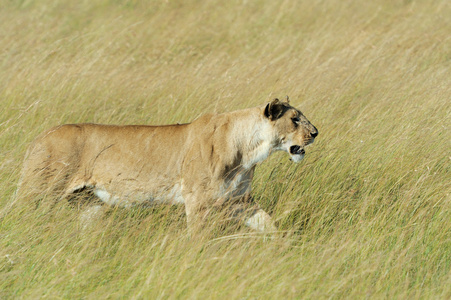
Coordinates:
46 176
80 196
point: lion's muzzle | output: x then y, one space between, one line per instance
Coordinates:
297 150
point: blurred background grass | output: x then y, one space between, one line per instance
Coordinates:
366 214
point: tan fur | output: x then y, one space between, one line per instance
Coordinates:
204 164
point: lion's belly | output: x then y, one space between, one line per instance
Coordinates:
131 197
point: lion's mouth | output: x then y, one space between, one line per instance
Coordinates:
297 150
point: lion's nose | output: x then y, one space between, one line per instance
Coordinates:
314 133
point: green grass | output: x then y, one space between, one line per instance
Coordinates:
367 213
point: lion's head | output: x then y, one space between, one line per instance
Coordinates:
293 131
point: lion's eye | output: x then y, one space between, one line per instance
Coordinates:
296 121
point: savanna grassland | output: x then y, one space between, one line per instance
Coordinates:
366 214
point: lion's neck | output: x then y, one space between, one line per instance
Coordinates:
254 138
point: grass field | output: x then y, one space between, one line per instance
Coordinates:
366 214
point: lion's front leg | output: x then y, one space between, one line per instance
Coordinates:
245 211
196 213
199 204
260 221
241 209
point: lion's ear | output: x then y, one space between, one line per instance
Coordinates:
274 110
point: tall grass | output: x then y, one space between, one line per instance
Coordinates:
367 214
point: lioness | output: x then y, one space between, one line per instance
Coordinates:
204 164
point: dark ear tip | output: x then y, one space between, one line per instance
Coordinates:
267 110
